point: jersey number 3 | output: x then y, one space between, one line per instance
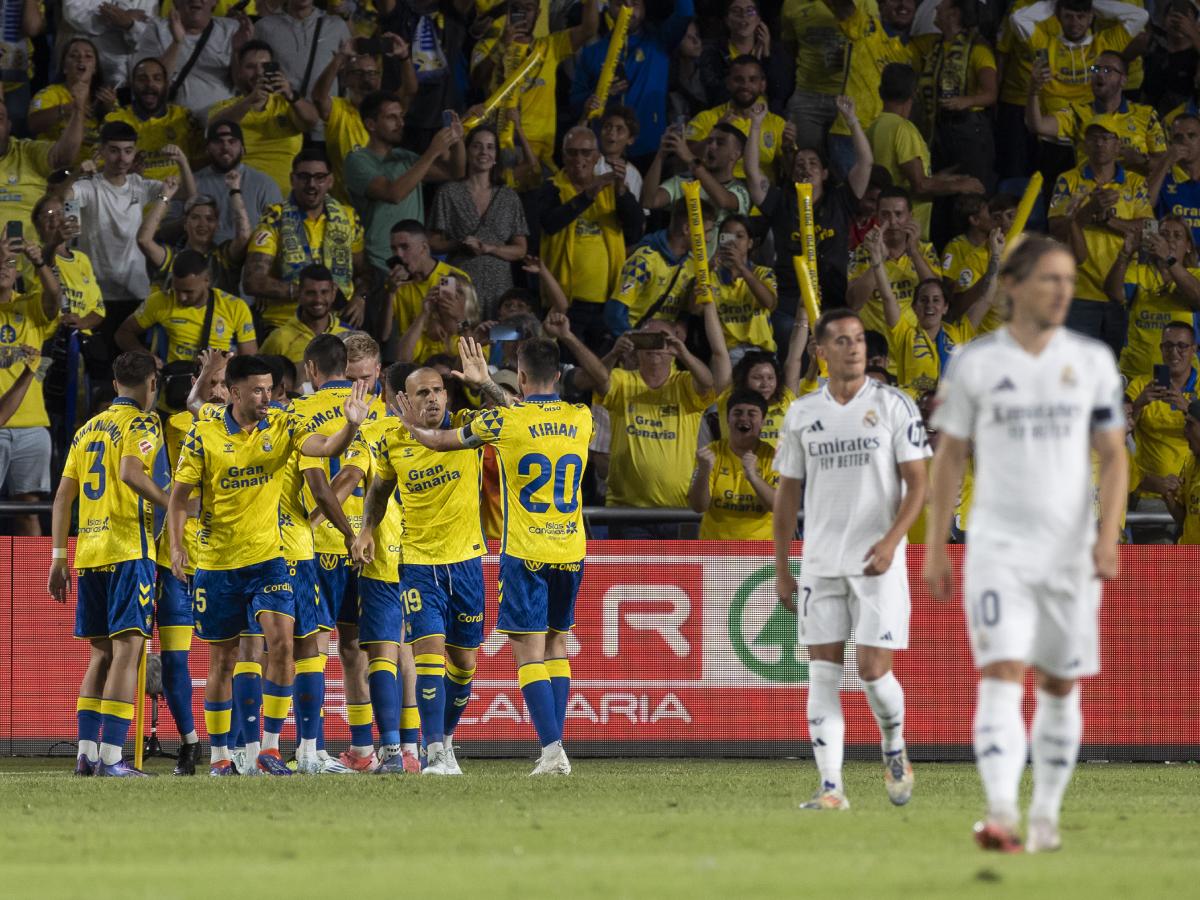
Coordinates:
567 473
90 489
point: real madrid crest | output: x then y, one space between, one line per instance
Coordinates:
871 419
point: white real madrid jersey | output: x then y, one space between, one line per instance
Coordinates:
1031 419
848 457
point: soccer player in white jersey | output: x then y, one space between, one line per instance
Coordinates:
1034 400
857 450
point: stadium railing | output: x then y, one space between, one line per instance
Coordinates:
681 648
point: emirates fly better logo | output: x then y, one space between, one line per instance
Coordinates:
763 632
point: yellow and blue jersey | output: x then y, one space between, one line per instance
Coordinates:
323 413
115 523
542 446
238 473
440 494
389 532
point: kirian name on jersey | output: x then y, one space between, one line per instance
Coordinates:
553 429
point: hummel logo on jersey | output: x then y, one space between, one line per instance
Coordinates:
1004 385
816 426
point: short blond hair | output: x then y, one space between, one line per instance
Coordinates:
360 345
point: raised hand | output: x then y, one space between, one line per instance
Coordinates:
557 325
474 364
233 180
356 406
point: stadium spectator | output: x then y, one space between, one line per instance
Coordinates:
762 373
25 164
921 349
657 279
747 84
82 302
958 87
897 145
835 205
414 275
225 153
745 295
159 123
1142 138
113 29
655 412
303 39
618 130
588 224
876 41
23 21
645 71
720 155
734 481
50 109
504 49
1174 53
384 180
1164 287
1184 501
1094 206
1159 404
195 48
908 262
308 227
812 41
744 32
272 118
687 97
200 220
449 311
314 315
192 314
26 320
110 214
967 258
1174 183
478 223
359 74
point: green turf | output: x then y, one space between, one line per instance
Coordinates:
616 828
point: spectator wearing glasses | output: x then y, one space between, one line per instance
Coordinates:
1159 402
1143 140
308 227
1163 287
587 224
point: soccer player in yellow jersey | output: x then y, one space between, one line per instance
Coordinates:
734 482
108 470
325 365
542 446
241 583
173 601
378 548
441 585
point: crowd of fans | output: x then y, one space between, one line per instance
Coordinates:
245 176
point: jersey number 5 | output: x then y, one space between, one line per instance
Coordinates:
567 473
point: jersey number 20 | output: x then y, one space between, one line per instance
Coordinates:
566 481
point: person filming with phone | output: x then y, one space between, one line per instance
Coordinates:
272 117
1160 402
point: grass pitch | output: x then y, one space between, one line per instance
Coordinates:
616 828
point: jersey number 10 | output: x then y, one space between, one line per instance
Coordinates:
566 482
